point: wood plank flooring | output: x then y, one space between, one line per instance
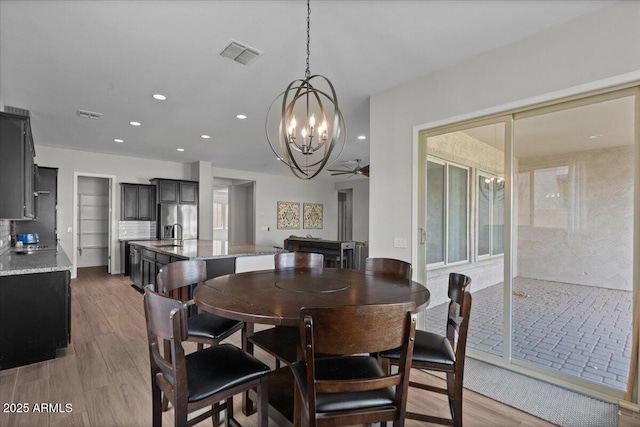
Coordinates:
104 373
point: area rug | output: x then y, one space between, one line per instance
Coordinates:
551 403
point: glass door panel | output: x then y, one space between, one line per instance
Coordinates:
464 216
573 239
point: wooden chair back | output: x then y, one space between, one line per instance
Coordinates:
351 330
298 260
389 267
166 320
458 316
175 279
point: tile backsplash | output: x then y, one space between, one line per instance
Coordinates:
5 235
144 230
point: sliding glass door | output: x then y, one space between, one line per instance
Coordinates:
540 208
574 238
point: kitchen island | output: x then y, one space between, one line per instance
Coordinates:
149 256
35 306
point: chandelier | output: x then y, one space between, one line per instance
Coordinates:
492 189
309 125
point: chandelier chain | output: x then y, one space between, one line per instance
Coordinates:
307 72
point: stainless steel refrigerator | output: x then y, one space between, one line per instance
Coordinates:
185 215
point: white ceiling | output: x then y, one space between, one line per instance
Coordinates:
110 56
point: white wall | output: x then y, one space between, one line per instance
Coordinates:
605 44
126 169
239 214
270 189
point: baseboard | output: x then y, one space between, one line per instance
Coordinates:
629 406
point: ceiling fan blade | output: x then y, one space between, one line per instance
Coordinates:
365 171
339 170
341 173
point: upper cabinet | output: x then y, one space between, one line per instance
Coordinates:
17 169
176 191
188 193
138 202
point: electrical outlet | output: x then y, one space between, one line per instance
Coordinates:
399 242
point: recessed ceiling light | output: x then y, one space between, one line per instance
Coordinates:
118 140
134 123
205 136
596 136
362 137
241 116
159 97
181 149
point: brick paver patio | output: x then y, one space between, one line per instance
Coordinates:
579 330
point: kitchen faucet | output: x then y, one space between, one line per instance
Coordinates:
173 231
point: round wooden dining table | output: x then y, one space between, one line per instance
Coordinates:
275 297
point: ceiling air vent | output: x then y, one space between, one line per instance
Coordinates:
16 110
240 53
89 114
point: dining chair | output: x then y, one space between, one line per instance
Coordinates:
434 352
388 267
337 381
204 378
298 260
282 341
177 280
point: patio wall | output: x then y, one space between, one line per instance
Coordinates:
463 149
594 246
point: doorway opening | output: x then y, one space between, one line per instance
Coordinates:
345 214
234 210
93 218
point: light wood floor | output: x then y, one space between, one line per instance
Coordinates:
104 373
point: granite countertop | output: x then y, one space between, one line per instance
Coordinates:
205 249
43 261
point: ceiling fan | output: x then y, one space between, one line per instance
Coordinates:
357 170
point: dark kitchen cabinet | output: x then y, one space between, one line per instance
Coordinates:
125 258
138 202
45 223
150 265
188 193
135 265
167 191
35 310
176 191
17 168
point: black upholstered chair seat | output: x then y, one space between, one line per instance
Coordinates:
337 368
206 325
219 368
428 348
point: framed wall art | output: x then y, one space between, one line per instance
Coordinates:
288 215
312 215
